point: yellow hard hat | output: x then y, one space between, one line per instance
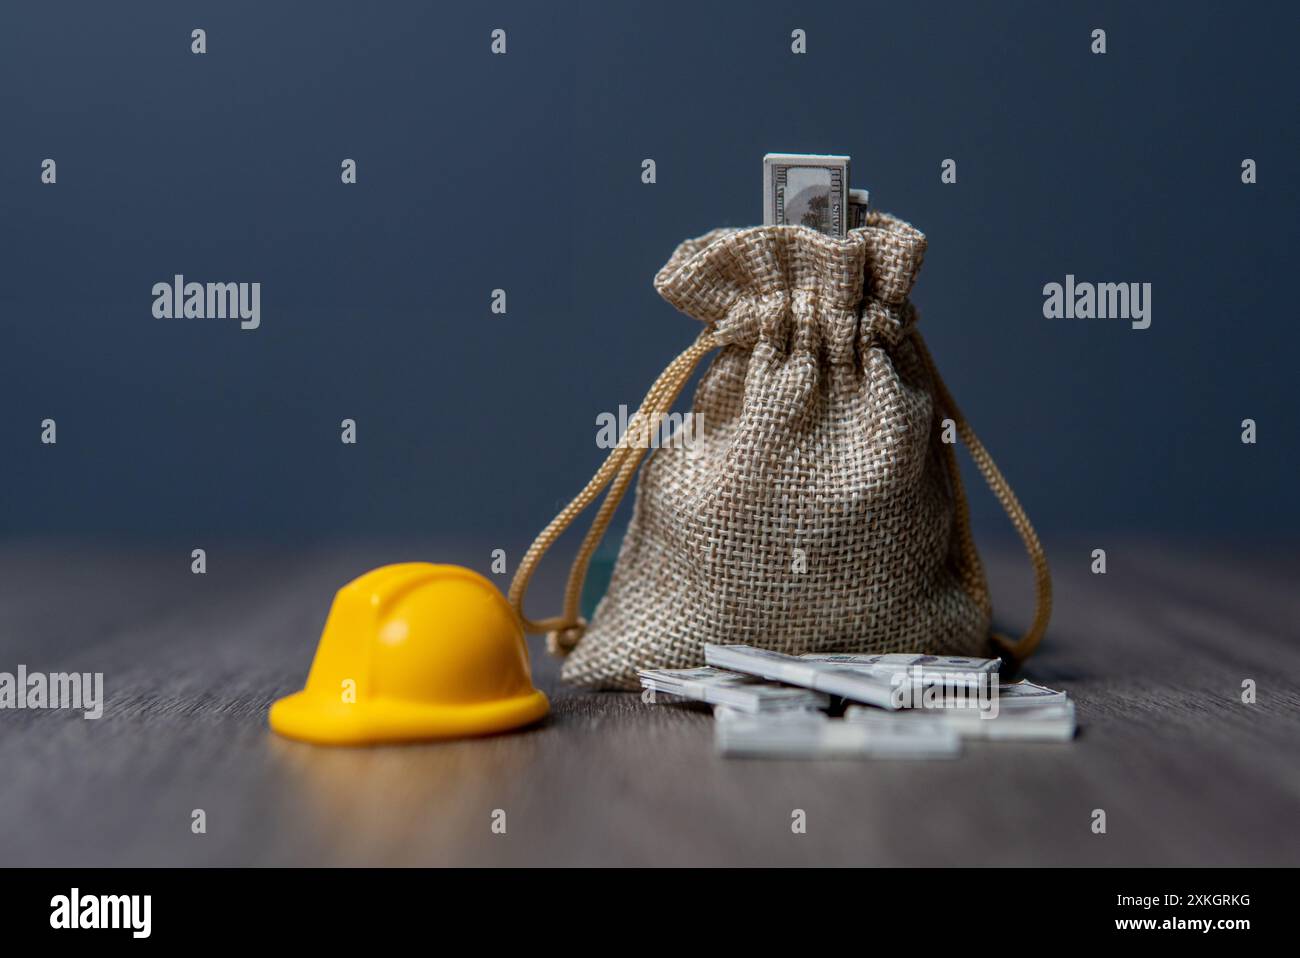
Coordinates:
414 651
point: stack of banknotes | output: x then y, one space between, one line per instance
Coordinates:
774 705
745 693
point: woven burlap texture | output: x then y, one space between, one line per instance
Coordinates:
815 509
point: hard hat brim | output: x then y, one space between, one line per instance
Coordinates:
329 721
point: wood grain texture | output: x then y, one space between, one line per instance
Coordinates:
1154 654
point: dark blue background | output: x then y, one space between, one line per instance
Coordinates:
523 172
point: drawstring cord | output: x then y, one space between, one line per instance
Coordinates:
1020 649
617 471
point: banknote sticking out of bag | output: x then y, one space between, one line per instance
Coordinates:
815 506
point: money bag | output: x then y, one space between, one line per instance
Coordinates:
815 502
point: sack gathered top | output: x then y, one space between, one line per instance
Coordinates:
816 507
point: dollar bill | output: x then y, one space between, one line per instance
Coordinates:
1027 695
896 667
806 189
833 678
859 204
939 690
806 735
919 722
1043 723
718 687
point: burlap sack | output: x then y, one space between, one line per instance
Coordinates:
817 508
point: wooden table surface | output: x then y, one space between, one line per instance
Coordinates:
1154 653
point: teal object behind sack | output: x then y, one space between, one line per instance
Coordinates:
599 571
